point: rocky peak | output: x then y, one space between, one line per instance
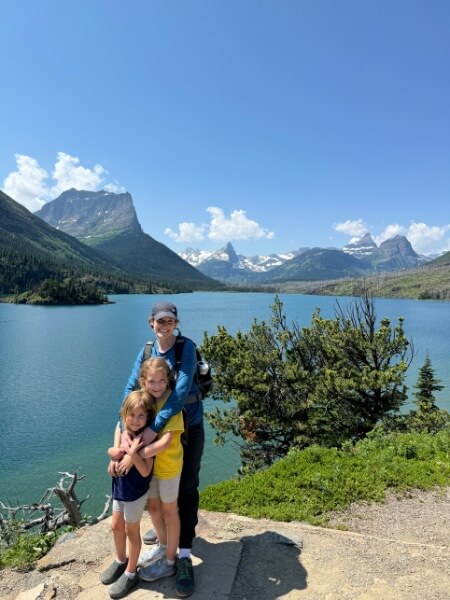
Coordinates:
398 243
231 252
365 247
397 253
226 254
84 214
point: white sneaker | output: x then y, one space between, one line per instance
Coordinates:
151 556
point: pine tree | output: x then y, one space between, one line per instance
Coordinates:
428 418
291 386
426 385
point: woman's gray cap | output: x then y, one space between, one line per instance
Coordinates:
164 309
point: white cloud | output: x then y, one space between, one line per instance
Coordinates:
426 240
114 187
389 232
220 229
354 228
237 227
29 185
68 173
187 232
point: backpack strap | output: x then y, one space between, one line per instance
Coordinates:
179 345
148 350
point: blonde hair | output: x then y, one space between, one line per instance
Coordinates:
152 365
135 400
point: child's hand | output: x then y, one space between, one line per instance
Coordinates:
116 453
136 445
112 468
124 466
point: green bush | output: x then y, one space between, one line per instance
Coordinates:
19 549
307 484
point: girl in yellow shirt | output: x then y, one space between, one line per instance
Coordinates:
168 462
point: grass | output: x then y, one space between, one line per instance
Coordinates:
307 484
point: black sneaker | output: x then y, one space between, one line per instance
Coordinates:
184 578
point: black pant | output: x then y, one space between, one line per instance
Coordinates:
188 495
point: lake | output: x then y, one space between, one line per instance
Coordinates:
63 371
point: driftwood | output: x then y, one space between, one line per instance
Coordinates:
47 516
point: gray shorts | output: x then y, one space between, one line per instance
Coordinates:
166 489
132 511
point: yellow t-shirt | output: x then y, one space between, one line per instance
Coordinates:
168 464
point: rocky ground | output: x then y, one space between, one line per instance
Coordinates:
397 550
417 517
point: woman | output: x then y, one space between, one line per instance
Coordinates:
164 321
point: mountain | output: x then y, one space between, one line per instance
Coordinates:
108 222
31 251
91 217
225 264
443 259
317 264
359 258
365 247
395 254
195 257
265 262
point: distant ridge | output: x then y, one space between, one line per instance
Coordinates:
226 265
318 264
360 258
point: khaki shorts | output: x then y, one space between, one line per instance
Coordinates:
166 489
132 511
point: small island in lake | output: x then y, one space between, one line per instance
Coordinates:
68 291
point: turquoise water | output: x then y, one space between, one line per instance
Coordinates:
63 370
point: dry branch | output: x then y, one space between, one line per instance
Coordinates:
51 517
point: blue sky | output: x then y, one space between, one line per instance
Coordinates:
272 124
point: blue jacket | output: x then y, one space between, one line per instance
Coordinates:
185 388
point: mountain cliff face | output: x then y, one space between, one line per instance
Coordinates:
91 217
108 222
395 253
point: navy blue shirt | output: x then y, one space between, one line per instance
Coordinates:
131 486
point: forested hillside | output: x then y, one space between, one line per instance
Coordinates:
32 251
